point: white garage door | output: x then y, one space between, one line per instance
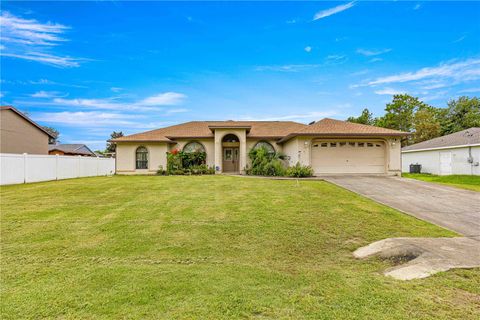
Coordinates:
348 157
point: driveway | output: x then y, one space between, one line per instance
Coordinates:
451 208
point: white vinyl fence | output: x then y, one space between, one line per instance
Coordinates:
25 168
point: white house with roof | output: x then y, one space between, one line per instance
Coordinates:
456 153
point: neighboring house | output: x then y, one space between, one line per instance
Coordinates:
20 134
456 153
71 150
329 146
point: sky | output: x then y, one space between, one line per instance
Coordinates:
93 67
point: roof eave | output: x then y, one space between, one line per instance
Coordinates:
341 135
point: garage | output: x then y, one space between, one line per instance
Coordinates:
348 157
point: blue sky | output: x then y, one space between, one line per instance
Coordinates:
88 68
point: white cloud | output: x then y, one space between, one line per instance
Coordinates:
164 99
1 95
308 49
470 90
116 89
454 71
376 59
388 91
417 6
291 21
328 12
31 40
46 94
288 67
97 119
374 52
153 103
459 39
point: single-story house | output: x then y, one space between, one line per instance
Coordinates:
20 134
329 146
456 153
66 149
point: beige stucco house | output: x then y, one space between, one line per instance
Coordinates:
20 134
329 146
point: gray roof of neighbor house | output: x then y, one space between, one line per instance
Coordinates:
21 114
282 130
462 138
80 149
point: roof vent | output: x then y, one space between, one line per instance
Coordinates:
311 123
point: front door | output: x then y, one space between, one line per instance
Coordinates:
230 160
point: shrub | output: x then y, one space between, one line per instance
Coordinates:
182 163
299 171
265 163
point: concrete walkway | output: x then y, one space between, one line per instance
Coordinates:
449 207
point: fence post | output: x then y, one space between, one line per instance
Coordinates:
25 157
78 166
56 167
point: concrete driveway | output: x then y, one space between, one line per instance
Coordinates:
451 208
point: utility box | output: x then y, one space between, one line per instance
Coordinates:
415 168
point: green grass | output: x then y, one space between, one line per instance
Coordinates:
459 181
211 247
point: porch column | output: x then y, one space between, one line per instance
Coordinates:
218 152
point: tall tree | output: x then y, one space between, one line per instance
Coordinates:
54 133
110 145
400 114
460 114
365 118
426 125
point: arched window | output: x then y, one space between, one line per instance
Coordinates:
230 138
193 147
141 158
266 145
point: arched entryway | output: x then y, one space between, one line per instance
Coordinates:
230 153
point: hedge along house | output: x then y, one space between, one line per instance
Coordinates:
329 146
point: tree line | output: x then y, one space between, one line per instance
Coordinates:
423 121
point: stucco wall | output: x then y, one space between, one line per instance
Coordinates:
208 144
430 160
242 137
17 135
125 157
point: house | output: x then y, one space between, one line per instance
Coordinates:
20 134
456 153
71 150
329 146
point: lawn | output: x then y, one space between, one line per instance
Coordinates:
459 181
211 247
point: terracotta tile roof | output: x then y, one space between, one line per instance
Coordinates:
332 127
203 129
466 137
283 130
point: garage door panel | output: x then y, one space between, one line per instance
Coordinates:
348 157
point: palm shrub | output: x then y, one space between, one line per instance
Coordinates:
299 171
265 163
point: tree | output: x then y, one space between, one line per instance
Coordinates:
400 114
54 133
460 114
365 118
426 125
110 145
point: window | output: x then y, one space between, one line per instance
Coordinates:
230 138
266 145
369 144
141 157
361 144
193 147
351 144
342 144
324 144
333 144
